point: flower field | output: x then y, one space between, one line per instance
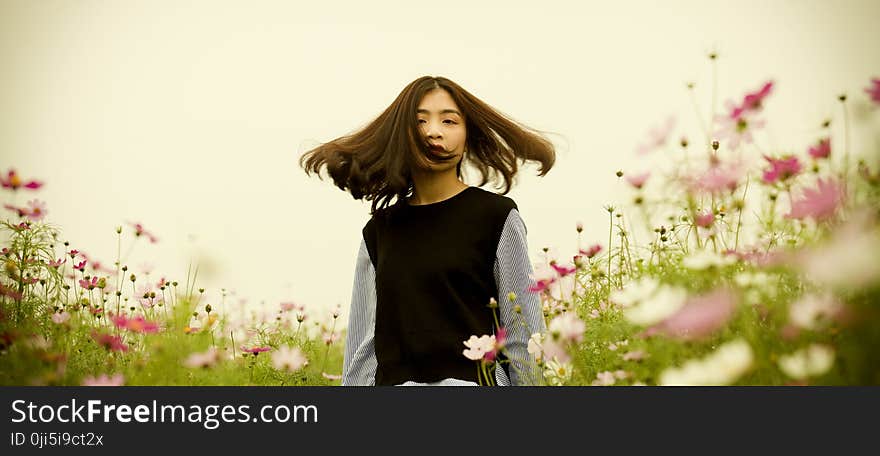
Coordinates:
750 271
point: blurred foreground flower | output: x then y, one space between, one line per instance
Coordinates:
109 341
137 324
812 361
104 380
13 181
781 169
874 90
203 360
848 259
647 302
289 359
819 203
722 367
699 318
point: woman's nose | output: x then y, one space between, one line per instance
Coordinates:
432 130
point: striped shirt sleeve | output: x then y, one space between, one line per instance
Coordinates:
512 274
359 365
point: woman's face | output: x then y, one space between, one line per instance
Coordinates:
442 126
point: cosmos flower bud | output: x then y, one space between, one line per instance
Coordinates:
511 296
208 308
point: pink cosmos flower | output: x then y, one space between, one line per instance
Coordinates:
821 150
818 203
540 285
89 285
21 211
737 130
109 341
699 317
330 337
139 230
657 137
592 251
58 262
754 101
203 360
563 270
500 338
781 169
605 378
80 266
137 324
60 318
705 219
288 306
104 380
874 90
36 210
13 181
552 349
638 180
289 359
635 355
255 350
567 327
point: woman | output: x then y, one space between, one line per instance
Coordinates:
435 267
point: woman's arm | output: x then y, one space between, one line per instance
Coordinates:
359 365
512 274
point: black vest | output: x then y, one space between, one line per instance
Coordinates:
434 278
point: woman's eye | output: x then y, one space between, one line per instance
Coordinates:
422 121
451 122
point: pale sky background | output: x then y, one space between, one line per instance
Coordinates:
189 117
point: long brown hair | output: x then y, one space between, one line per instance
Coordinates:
374 162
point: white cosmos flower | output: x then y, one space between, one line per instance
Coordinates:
557 373
289 359
705 259
662 304
536 342
635 292
568 327
809 362
721 367
748 279
808 311
477 347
